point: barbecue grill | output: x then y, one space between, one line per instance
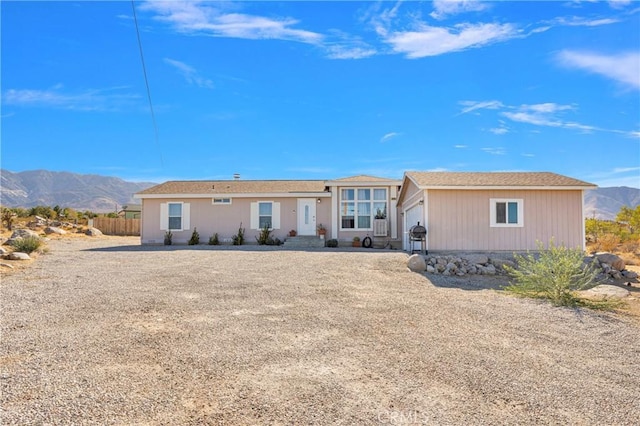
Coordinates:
418 233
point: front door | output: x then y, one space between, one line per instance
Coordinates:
306 216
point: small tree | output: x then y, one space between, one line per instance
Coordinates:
265 236
8 216
195 238
631 217
238 239
214 240
555 274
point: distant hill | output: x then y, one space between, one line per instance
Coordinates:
80 192
605 203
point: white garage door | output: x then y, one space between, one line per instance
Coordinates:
411 218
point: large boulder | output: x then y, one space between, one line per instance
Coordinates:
501 263
615 261
93 232
605 291
18 256
54 230
23 233
417 263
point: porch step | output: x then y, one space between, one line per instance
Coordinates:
304 241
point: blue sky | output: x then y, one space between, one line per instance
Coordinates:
321 90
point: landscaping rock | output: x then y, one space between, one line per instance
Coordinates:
18 256
477 259
613 260
23 233
416 263
6 265
3 250
501 263
605 291
54 230
431 269
629 274
93 232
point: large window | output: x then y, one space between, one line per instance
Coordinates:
265 215
359 206
175 216
506 212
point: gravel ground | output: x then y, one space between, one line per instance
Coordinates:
102 331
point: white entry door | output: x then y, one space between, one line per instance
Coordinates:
306 216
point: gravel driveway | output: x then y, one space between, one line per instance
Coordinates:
102 331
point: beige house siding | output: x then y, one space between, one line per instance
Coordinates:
223 219
460 219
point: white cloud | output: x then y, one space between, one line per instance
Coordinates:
528 155
460 146
389 136
578 21
444 8
110 99
197 17
619 4
499 130
474 105
190 74
546 114
426 40
494 151
623 68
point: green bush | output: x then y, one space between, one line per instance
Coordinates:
238 239
264 237
195 238
332 243
555 274
27 244
214 240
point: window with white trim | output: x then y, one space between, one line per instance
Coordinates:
221 201
359 206
506 212
175 216
265 215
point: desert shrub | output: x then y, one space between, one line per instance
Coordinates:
238 239
555 274
27 244
332 243
195 238
214 240
168 237
608 242
8 216
264 237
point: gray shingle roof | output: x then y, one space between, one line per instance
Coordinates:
495 179
236 187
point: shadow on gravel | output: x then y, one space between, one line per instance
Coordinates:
244 248
469 282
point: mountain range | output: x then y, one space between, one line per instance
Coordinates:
81 192
106 194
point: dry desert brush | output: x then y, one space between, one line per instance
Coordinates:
554 273
27 244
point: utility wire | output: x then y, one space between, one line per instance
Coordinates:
146 82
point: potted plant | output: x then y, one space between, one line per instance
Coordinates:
167 238
322 231
293 233
356 241
380 214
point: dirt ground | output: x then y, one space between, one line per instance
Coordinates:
104 331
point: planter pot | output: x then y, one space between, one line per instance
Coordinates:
356 244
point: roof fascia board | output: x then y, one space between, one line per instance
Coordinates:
506 187
240 195
368 183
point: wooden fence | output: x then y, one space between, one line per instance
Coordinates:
117 226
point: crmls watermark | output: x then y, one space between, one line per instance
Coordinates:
402 417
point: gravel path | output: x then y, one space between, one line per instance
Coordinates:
101 331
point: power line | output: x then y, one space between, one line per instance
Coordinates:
146 82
